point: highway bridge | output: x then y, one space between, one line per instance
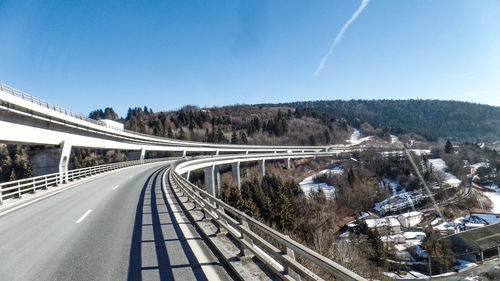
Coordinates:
137 220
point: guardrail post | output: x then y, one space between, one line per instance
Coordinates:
220 221
287 269
34 185
46 186
244 252
19 190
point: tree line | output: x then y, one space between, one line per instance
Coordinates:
432 119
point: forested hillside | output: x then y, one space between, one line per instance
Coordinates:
433 119
240 124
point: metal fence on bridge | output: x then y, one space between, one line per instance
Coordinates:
15 189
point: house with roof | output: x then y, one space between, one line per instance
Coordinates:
477 220
475 244
385 226
410 219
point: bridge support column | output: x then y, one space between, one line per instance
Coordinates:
210 181
143 155
136 155
188 174
262 168
217 180
288 163
235 167
180 153
52 160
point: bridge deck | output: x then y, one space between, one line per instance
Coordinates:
125 226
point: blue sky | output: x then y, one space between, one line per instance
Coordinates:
85 55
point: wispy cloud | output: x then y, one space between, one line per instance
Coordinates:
339 36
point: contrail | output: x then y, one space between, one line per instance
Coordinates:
339 36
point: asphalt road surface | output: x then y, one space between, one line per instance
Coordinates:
124 226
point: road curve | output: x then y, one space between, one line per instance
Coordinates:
124 226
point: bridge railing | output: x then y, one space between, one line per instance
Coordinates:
16 189
20 94
273 248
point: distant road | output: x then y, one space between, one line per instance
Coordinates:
120 227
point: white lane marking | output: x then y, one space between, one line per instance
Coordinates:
83 217
114 188
131 176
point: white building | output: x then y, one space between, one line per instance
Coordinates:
385 226
410 219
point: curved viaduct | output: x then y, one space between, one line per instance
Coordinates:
131 223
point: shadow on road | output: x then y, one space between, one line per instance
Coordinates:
160 250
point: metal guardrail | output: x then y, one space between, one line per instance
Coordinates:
15 189
27 97
241 227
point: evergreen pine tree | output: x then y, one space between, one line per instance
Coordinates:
243 138
234 137
448 148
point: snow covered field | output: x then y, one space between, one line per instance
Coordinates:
309 185
440 165
354 139
394 139
494 196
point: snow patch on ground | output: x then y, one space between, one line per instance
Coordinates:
399 200
394 139
309 185
494 196
440 165
464 264
421 152
354 139
406 275
393 185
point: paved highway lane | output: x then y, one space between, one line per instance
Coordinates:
124 226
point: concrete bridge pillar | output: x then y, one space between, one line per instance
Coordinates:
188 174
210 181
235 167
136 154
52 160
217 180
262 168
180 153
143 154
